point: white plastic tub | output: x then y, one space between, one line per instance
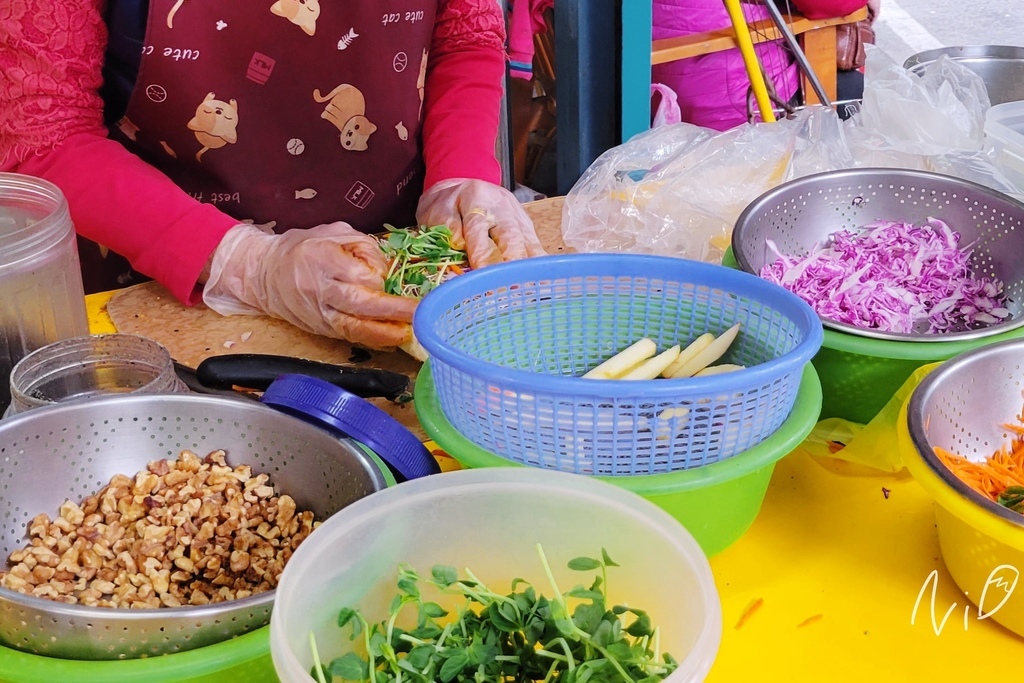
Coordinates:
490 521
1004 129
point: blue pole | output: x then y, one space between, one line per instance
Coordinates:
587 73
636 67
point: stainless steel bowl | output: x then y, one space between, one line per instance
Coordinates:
1001 67
962 407
71 450
802 213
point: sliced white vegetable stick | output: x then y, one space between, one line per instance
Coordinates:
695 347
664 432
624 360
709 355
670 413
719 369
652 367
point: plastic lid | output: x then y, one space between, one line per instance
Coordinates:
338 410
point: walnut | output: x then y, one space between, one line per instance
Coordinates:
285 510
168 600
185 564
42 574
145 483
263 491
190 462
175 477
131 509
198 598
64 575
89 508
161 580
13 582
38 526
159 467
45 591
192 531
239 561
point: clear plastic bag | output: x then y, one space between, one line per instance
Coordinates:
940 111
932 122
678 189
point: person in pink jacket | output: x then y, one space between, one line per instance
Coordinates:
713 90
239 121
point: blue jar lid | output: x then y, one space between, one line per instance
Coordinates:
340 411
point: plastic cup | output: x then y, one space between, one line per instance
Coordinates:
491 521
40 276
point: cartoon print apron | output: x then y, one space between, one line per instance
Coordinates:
286 113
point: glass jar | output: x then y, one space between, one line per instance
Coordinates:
92 366
41 294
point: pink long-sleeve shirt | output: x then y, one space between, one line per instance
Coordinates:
51 126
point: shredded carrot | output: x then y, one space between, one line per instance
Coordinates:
1001 470
455 269
754 605
810 620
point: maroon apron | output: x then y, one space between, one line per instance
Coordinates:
286 113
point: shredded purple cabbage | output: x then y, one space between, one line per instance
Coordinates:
891 276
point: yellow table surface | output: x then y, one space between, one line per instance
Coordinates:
95 308
830 542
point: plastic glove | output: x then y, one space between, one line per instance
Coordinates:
328 280
486 220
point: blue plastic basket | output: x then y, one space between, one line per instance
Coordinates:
508 344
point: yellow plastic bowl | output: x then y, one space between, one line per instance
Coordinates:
982 543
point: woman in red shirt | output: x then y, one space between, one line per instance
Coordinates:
249 119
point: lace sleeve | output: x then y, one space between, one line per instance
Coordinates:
463 23
51 57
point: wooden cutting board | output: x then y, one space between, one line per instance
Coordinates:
192 334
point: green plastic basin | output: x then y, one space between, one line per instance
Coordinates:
246 658
716 503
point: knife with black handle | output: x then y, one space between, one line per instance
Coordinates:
257 371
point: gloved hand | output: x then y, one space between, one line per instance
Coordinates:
328 280
486 220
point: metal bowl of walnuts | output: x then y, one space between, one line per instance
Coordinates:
140 525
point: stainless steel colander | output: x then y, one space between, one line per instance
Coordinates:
802 213
72 450
962 407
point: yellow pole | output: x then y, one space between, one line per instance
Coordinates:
746 45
